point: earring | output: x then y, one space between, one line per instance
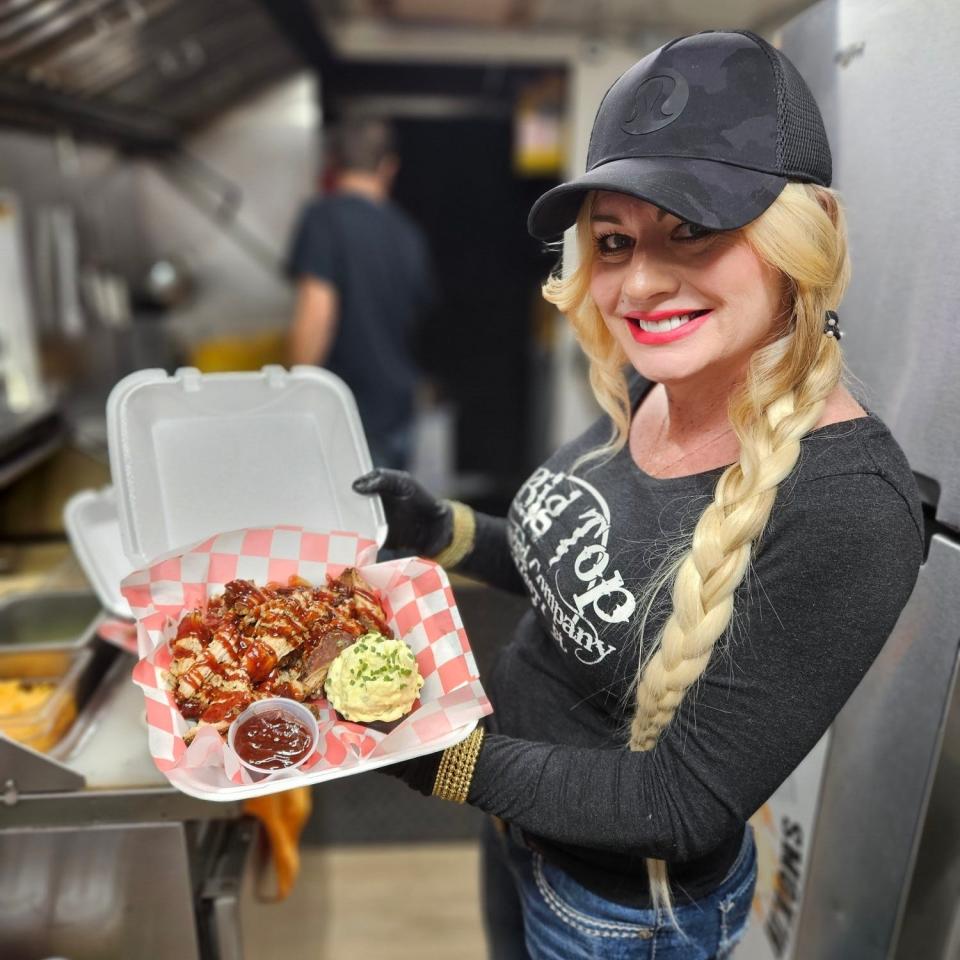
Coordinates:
832 325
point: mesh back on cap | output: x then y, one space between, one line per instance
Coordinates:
803 151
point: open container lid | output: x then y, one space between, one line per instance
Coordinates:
93 527
193 455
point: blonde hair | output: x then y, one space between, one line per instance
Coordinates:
803 235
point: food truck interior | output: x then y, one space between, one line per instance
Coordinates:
155 156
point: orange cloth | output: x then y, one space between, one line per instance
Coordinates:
283 816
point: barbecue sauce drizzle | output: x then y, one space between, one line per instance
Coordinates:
234 620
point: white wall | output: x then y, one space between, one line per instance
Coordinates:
266 147
597 64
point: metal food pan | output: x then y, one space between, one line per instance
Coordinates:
49 621
74 673
42 727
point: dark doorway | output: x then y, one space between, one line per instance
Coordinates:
457 180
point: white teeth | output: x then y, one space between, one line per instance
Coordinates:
662 326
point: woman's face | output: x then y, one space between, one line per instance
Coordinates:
682 302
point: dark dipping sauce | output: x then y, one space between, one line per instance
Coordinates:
272 741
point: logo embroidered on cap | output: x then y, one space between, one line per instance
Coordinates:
659 100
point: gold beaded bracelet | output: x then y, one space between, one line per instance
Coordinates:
456 768
464 533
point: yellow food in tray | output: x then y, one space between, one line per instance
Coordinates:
19 696
375 679
24 716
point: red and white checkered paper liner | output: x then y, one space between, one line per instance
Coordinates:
420 609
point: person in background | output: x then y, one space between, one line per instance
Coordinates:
711 567
364 283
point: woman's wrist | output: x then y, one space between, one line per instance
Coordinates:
463 535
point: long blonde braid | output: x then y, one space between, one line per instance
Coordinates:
803 235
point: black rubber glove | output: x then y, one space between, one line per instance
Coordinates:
416 520
420 773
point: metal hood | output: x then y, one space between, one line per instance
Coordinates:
139 73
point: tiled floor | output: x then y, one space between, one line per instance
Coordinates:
385 902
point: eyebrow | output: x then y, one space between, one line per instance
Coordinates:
611 218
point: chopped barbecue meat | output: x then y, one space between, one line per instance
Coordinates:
230 704
317 661
243 596
276 640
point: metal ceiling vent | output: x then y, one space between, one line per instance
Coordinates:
138 72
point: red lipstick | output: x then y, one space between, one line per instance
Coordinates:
667 336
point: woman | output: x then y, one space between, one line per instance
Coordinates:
714 564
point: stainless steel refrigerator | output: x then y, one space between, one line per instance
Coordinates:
865 859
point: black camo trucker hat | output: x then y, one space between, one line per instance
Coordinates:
708 127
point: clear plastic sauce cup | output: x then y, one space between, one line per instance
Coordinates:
273 734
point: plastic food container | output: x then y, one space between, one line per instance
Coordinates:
289 709
43 726
194 454
247 475
91 522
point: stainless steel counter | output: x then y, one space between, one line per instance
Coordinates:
111 751
107 748
102 857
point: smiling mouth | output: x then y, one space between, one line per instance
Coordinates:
667 324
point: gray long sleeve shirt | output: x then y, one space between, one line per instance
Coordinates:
833 570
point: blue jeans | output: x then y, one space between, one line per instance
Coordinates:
536 911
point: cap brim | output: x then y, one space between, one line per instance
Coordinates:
705 192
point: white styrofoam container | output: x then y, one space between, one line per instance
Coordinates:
195 454
90 517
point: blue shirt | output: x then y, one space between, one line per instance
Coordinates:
377 259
